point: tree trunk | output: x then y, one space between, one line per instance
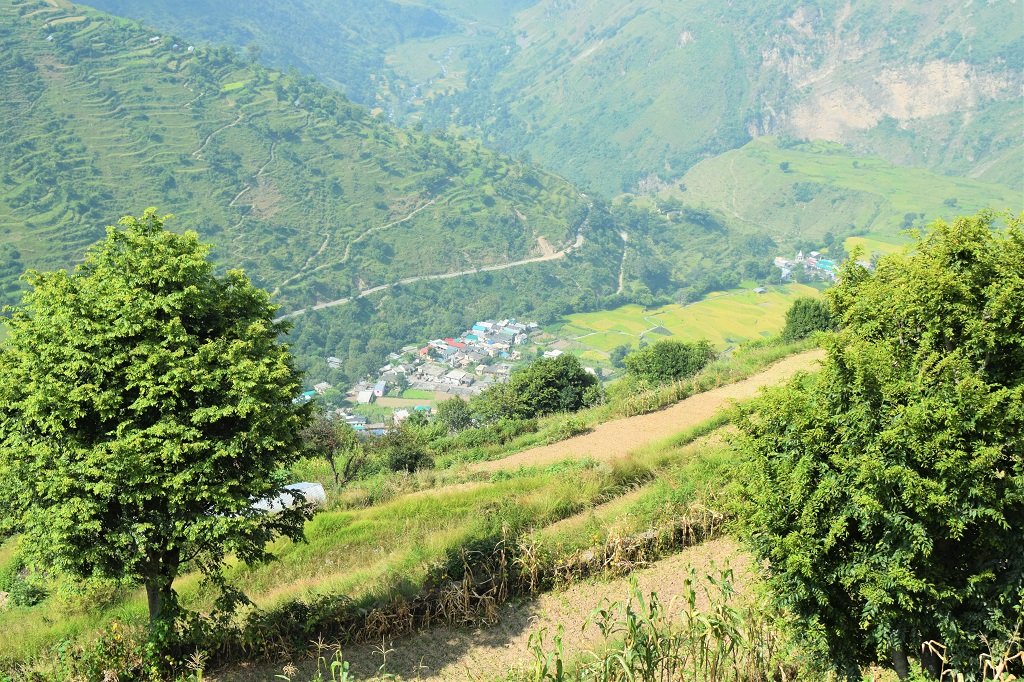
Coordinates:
900 662
155 599
334 468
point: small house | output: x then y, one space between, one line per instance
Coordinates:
760 290
380 388
459 377
364 397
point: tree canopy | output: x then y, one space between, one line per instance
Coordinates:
544 386
145 402
669 360
888 491
806 316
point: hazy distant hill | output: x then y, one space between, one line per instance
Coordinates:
622 95
322 202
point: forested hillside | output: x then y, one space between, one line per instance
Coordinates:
414 235
920 84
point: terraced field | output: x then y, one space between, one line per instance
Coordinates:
814 192
307 192
724 318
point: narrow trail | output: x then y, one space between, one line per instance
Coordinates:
197 153
616 439
259 174
622 265
580 240
303 271
460 654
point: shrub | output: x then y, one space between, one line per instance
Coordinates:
669 360
804 317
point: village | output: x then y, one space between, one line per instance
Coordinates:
812 265
417 377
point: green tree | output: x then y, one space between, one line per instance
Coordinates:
669 360
455 414
804 317
334 440
144 403
618 355
552 385
405 448
888 491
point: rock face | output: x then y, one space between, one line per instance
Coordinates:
843 79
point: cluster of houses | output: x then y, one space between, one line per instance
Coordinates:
465 365
456 366
812 265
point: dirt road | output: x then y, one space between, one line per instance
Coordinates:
618 438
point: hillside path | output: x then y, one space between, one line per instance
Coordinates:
617 438
580 239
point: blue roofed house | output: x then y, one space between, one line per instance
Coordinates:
379 388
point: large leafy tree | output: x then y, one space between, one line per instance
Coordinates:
888 491
145 401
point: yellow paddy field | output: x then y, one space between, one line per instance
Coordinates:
724 318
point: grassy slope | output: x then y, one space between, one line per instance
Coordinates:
725 318
827 189
384 536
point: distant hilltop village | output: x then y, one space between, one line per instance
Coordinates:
814 265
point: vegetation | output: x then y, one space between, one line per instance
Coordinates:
334 440
725 318
830 193
313 197
488 68
145 403
806 316
669 360
888 491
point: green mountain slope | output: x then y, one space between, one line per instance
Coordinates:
342 42
619 96
802 192
313 197
663 83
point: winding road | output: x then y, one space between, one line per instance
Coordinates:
580 239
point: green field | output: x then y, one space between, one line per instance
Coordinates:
808 191
417 394
870 246
725 318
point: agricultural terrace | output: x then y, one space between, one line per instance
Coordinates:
725 318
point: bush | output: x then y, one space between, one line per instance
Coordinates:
669 360
546 386
405 449
804 317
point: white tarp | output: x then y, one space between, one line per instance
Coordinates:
292 496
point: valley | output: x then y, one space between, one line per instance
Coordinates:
517 340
